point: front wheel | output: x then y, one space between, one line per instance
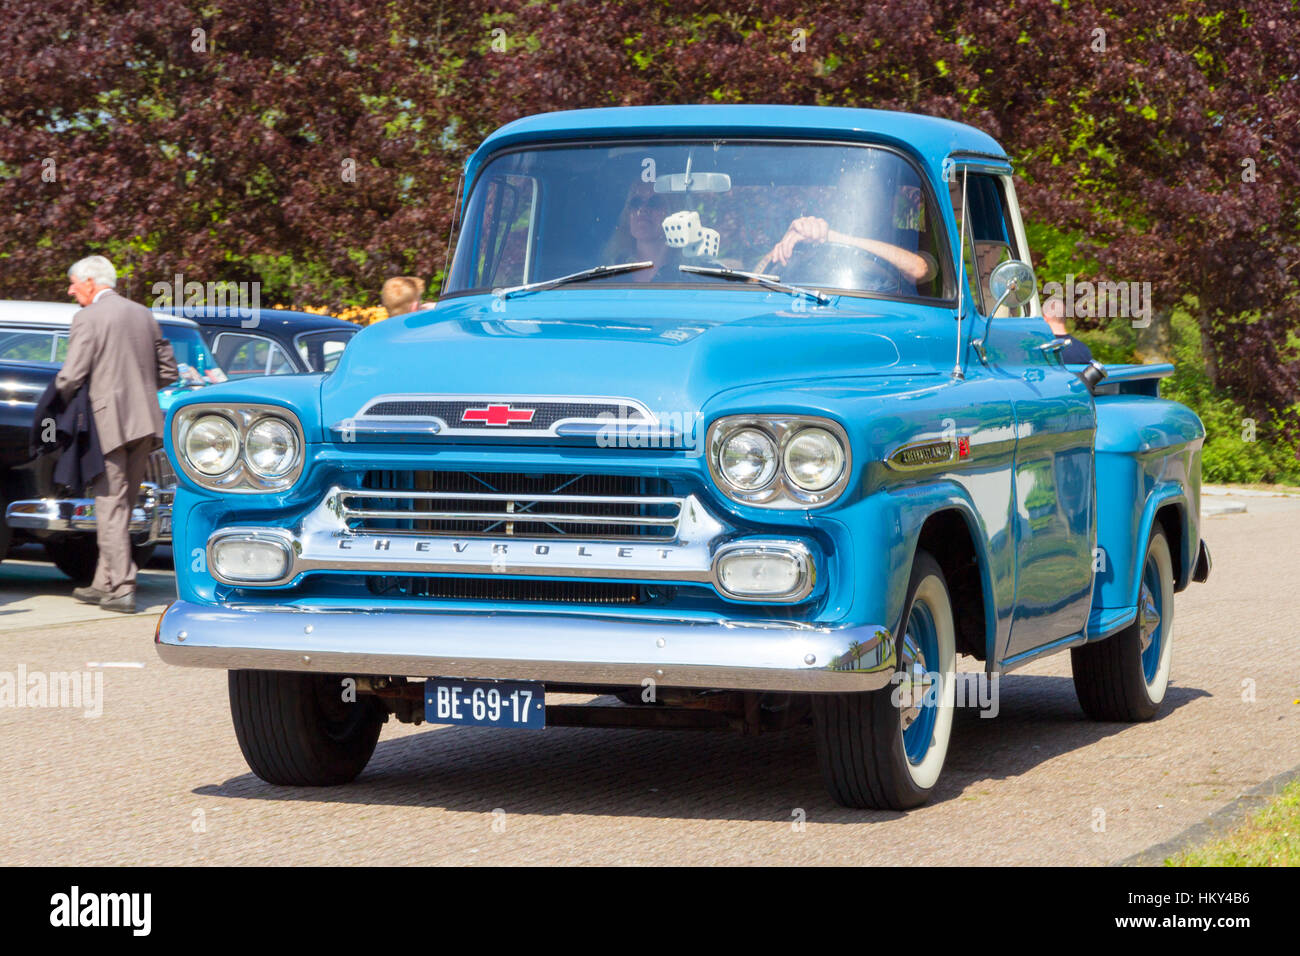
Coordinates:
884 749
1125 676
303 730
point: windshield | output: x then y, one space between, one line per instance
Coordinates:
854 219
194 363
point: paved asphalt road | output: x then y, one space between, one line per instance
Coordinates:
158 778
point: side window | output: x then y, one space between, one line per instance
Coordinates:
321 351
504 245
240 354
20 346
989 239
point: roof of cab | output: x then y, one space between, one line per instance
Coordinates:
59 313
929 137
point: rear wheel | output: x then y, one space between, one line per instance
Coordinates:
1125 676
76 555
884 749
6 535
298 730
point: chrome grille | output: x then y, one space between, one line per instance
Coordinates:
507 589
512 505
158 470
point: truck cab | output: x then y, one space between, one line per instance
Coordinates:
745 415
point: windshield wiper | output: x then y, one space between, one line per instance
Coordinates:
767 281
595 272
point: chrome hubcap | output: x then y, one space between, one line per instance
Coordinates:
915 682
1148 616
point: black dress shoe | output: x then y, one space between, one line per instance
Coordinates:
89 595
125 604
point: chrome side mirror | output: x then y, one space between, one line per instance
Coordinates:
1012 281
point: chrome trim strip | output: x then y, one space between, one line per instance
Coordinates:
386 426
365 424
557 648
78 514
538 517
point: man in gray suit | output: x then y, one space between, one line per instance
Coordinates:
116 345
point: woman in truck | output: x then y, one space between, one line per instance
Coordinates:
639 236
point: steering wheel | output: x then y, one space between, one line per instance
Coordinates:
840 266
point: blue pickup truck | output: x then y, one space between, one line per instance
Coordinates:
741 416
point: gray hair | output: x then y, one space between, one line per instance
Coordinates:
94 267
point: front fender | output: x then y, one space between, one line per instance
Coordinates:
887 525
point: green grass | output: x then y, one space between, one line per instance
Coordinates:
1270 838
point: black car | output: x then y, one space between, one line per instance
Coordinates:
270 341
33 345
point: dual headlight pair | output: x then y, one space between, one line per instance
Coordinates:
248 448
779 461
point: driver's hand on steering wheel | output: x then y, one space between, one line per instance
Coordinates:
808 228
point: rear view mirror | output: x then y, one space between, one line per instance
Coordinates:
689 182
1012 280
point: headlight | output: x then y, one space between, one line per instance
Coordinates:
248 557
748 459
211 445
239 448
814 459
271 447
779 461
754 570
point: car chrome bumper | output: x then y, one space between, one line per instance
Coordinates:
152 517
557 648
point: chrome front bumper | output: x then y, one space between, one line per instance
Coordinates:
507 645
151 519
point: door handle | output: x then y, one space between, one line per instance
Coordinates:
1053 349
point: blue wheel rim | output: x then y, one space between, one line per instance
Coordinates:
1151 628
920 649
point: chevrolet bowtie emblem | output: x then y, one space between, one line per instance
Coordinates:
500 415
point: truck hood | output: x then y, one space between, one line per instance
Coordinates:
671 350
